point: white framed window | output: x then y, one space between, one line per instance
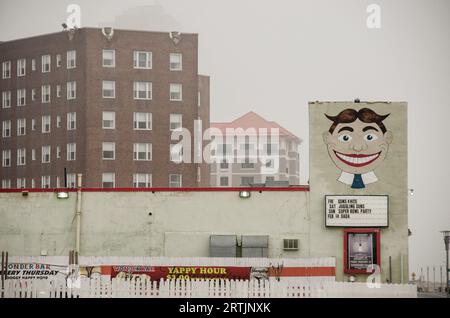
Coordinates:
109 89
142 151
176 92
21 67
6 69
33 154
71 90
58 121
71 180
33 184
33 64
21 127
21 156
58 152
45 63
6 158
33 124
176 121
108 180
175 180
58 182
58 60
33 94
224 181
58 91
109 58
6 99
108 150
45 182
21 97
142 121
46 154
71 152
6 129
199 96
45 93
71 59
71 121
142 90
142 180
109 120
46 124
142 59
176 153
176 61
6 183
21 183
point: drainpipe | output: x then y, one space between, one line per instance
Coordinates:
78 214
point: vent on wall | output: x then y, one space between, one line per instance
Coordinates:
290 244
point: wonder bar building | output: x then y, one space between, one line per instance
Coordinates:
350 222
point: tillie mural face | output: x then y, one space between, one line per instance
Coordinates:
357 143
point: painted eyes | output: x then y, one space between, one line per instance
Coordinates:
370 137
345 138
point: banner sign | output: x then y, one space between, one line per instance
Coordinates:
356 210
361 251
35 271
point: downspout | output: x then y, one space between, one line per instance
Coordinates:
78 215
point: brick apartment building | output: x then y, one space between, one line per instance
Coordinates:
234 174
102 104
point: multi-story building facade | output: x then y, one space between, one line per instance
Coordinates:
103 104
230 171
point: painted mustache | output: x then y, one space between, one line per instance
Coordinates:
357 160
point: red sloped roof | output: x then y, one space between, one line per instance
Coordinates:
253 120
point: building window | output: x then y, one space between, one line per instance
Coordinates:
71 152
33 64
71 90
71 180
58 152
109 89
21 127
176 121
142 151
33 184
176 63
21 97
109 120
21 67
175 180
109 58
247 181
46 154
21 183
58 91
6 158
199 99
71 59
142 60
269 179
224 165
21 156
224 181
176 153
45 182
6 99
247 164
45 93
33 94
142 180
6 129
71 121
108 150
6 183
142 90
176 92
46 124
108 180
6 69
45 63
33 154
58 60
142 121
58 121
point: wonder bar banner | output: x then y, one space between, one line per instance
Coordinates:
356 211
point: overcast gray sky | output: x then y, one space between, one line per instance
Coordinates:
273 57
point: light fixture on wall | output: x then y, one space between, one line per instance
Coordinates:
245 194
62 194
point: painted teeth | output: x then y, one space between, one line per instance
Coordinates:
357 160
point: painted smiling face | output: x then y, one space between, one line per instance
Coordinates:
357 141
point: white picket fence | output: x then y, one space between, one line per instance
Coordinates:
121 288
